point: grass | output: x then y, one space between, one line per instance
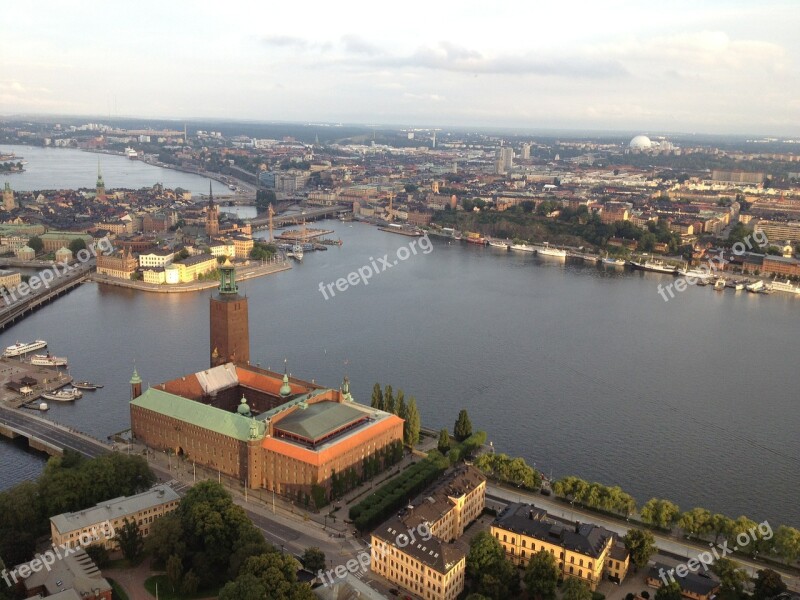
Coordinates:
165 590
117 592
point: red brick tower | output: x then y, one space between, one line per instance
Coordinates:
230 334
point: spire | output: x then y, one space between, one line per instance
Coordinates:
210 195
346 389
227 278
286 389
135 378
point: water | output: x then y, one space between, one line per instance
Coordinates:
579 369
67 168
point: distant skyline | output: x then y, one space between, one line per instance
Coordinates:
706 67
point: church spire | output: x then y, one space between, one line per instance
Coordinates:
210 194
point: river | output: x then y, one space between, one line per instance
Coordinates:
579 369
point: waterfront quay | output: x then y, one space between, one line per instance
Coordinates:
245 273
43 380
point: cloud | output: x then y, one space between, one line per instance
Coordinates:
354 44
285 41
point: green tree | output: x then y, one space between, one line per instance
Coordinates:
696 522
174 571
641 545
165 539
77 245
732 579
130 540
98 554
444 442
463 427
575 589
787 543
767 584
720 526
388 399
411 426
377 397
672 591
190 583
314 559
541 576
400 408
245 587
36 243
661 513
484 553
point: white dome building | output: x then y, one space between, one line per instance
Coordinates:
641 142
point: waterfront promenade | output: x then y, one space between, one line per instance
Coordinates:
243 273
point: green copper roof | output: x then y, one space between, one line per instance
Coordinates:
135 378
197 413
320 419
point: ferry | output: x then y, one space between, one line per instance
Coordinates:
656 266
614 262
297 252
523 248
45 360
756 286
739 285
65 395
719 285
475 238
402 229
131 153
695 274
20 349
87 385
499 244
784 286
546 250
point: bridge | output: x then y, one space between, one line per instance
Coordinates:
48 436
13 309
296 218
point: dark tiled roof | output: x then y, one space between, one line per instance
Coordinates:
433 553
694 583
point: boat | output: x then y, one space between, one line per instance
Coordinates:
702 282
695 274
498 244
19 348
756 286
546 250
523 248
656 266
87 385
131 153
46 360
64 395
297 252
475 238
719 284
43 406
592 259
739 285
613 262
784 286
408 230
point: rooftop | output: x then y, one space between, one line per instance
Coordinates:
695 583
114 509
75 572
434 553
316 421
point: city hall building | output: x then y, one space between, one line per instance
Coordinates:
269 430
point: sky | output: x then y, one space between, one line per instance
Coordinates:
651 66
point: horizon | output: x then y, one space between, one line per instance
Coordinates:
723 68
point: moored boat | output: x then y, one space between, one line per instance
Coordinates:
87 385
499 244
547 250
613 262
475 238
756 286
46 360
64 395
656 266
297 252
19 349
523 248
784 286
719 284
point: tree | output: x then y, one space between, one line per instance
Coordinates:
787 543
731 577
575 589
696 522
444 441
463 428
641 545
377 397
720 526
388 399
314 559
77 245
412 424
174 570
36 243
541 576
130 539
484 553
767 584
661 513
400 408
671 591
190 583
98 554
165 539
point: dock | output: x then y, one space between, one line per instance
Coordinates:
47 379
306 235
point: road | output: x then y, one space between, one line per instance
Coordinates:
52 433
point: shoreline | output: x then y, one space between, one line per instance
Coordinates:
195 286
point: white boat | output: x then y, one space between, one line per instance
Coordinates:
498 244
297 252
43 406
19 349
756 286
45 360
719 284
523 248
656 266
65 395
614 262
738 285
546 250
784 286
696 274
131 153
